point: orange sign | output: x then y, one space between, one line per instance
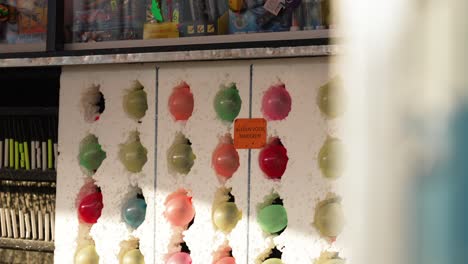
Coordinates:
250 133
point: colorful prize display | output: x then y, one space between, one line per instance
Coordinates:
276 103
181 102
227 103
134 212
273 159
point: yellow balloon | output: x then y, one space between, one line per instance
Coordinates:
133 256
273 261
226 216
329 219
87 255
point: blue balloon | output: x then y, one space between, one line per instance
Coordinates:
134 212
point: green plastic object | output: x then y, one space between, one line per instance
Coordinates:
87 255
273 261
330 158
330 98
226 216
135 101
272 218
228 103
91 154
180 157
133 154
329 218
133 256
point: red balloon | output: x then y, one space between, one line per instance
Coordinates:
273 159
90 208
226 260
181 102
276 103
179 209
225 159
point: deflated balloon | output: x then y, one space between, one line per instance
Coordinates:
228 103
91 154
179 258
329 218
273 261
330 158
226 216
133 154
272 218
133 256
135 102
181 102
273 159
276 103
225 160
134 212
87 255
179 209
90 208
226 260
330 98
180 157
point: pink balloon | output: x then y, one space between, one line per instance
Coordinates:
276 103
226 260
179 258
179 209
225 158
181 102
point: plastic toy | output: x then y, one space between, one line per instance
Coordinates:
276 103
181 102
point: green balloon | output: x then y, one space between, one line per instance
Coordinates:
228 103
133 155
330 158
329 219
180 157
273 261
330 98
91 154
133 256
87 255
226 216
135 103
272 218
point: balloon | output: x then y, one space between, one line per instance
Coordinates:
334 261
272 218
179 258
87 255
90 208
135 103
330 98
329 258
180 157
226 260
133 154
134 212
179 209
273 261
91 154
181 102
276 103
133 256
330 158
228 103
225 159
273 159
329 218
226 216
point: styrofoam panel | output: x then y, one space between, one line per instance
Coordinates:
203 129
115 181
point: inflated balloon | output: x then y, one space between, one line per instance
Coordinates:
329 218
272 218
228 103
134 212
225 158
181 102
329 258
276 103
273 261
330 98
180 157
273 159
91 154
133 256
330 158
132 154
226 260
179 258
90 208
135 103
179 209
87 255
93 103
225 216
